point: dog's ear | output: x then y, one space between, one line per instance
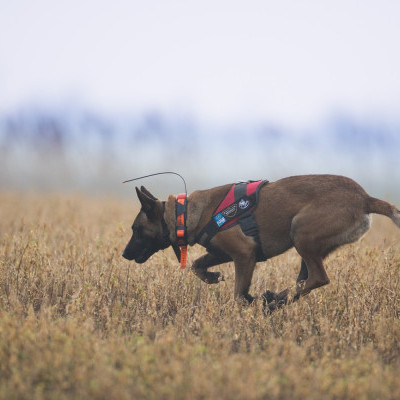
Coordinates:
146 192
148 203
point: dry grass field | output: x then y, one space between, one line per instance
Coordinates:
77 321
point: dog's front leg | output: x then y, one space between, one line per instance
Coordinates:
242 249
209 260
244 268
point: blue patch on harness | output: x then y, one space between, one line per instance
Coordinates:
219 219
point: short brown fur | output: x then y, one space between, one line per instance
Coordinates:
313 213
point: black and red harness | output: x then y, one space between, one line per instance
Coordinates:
237 207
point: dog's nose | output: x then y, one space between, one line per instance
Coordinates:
127 256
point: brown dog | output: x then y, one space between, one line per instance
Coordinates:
314 213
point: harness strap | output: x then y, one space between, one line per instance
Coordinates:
239 190
245 197
246 220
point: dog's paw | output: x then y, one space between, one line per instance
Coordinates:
282 297
214 277
269 296
273 301
270 308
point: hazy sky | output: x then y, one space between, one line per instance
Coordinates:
293 61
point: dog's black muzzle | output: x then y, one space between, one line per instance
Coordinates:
128 255
140 258
139 250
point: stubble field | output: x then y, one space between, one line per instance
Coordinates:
77 321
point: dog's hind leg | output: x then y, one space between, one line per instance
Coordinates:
312 275
303 274
316 233
315 278
206 261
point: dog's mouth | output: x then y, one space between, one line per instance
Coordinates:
143 257
140 252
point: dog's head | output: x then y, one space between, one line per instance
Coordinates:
148 235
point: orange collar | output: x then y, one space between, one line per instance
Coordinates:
181 230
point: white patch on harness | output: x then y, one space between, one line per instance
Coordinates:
243 204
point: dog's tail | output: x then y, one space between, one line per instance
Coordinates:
377 206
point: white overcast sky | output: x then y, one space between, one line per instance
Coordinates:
293 61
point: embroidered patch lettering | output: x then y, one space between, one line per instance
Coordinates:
219 219
243 204
230 211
